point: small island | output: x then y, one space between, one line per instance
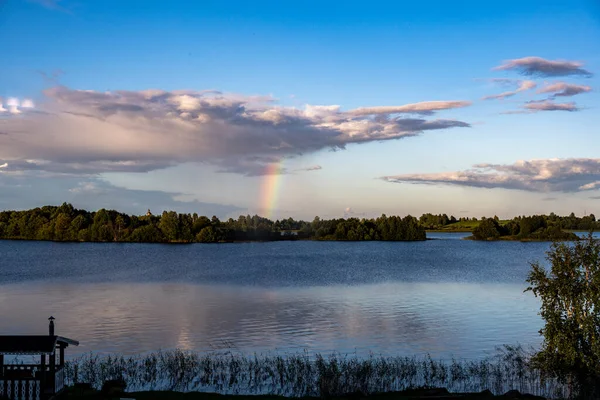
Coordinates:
534 228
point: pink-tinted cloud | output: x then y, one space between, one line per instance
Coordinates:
523 86
547 105
590 186
537 66
425 107
562 89
547 175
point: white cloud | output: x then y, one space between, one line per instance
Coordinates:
27 103
547 175
14 105
590 186
87 132
87 187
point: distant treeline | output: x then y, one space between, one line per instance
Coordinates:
571 222
536 227
66 223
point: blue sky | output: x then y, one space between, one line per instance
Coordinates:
85 129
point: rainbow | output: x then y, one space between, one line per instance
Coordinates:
270 188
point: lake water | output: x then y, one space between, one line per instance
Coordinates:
445 297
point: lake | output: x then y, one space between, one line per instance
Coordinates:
446 297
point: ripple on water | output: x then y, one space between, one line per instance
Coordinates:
441 296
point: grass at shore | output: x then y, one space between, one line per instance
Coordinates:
304 375
463 226
460 226
437 394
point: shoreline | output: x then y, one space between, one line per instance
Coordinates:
408 394
181 243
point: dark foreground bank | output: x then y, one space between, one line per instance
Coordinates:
80 392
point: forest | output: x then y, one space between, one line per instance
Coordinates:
66 223
571 222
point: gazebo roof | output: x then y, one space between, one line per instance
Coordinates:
33 344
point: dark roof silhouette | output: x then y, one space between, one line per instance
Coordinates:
33 344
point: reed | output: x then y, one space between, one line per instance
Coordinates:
304 374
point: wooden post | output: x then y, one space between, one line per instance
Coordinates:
52 382
62 356
43 376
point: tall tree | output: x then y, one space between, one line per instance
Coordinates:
62 223
570 296
169 225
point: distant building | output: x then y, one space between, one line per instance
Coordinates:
148 214
289 232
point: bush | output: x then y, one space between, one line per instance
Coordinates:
488 229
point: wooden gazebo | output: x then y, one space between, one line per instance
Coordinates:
41 381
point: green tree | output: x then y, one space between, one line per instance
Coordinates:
512 228
169 225
208 235
570 297
185 227
147 234
77 225
101 229
529 225
84 235
62 223
200 223
119 228
488 229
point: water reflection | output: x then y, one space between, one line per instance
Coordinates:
464 319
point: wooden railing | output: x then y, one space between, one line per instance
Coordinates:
14 368
59 380
23 381
20 389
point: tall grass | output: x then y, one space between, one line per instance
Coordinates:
303 374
